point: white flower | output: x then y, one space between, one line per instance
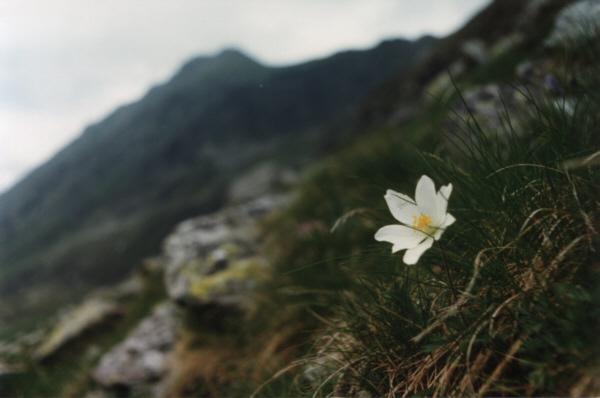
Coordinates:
423 219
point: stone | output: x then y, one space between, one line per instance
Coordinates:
130 287
260 180
97 394
485 104
143 357
231 288
532 11
180 275
7 369
506 44
196 237
73 323
566 105
329 364
441 85
475 50
207 257
320 369
574 22
525 70
9 349
127 289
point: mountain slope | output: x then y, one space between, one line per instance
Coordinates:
107 199
499 21
493 308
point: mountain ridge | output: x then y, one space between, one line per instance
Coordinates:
171 154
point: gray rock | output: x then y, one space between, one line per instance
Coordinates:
130 287
142 358
91 313
7 369
8 349
506 44
532 11
206 258
525 70
441 85
97 394
230 289
475 50
566 105
328 361
259 181
574 22
485 104
196 237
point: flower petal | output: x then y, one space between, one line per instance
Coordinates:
414 254
402 207
442 198
426 199
400 236
449 220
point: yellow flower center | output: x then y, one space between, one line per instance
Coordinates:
422 222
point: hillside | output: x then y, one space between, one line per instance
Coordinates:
444 243
108 199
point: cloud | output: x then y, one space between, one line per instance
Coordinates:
65 63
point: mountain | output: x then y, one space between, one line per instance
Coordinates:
499 22
105 201
326 294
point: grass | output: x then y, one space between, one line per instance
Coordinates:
505 304
498 306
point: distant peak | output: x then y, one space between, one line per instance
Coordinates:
224 58
231 52
395 41
427 38
391 42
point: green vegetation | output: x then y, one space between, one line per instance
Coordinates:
505 304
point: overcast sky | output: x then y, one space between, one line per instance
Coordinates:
66 63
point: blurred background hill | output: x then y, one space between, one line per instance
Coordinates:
108 199
215 237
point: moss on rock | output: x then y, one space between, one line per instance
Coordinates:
230 287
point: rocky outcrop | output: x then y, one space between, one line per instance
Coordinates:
265 177
74 323
99 307
231 288
475 50
198 236
442 84
575 21
212 260
7 369
212 267
486 104
142 359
